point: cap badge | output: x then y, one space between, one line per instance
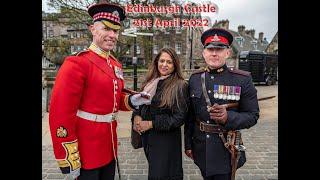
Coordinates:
215 38
115 13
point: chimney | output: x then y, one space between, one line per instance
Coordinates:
218 24
222 24
260 36
241 29
102 1
225 24
162 2
251 32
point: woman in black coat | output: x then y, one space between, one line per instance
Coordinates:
160 122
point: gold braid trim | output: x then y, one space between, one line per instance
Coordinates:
63 163
126 103
72 158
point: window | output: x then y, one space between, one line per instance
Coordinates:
155 49
166 44
254 44
50 33
78 35
72 49
138 49
178 48
128 51
44 34
240 40
178 30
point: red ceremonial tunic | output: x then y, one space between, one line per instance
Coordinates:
92 83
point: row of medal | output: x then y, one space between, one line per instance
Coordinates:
227 92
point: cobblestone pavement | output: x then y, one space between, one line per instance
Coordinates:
261 142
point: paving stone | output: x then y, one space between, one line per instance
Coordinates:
262 157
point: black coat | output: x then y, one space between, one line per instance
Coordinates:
209 153
162 143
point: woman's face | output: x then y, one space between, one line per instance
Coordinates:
165 64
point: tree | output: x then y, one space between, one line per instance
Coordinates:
76 11
56 49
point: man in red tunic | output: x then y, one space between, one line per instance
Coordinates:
85 101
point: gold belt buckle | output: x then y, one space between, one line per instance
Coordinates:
113 117
201 126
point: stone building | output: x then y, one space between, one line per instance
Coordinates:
244 40
273 45
57 25
186 41
54 25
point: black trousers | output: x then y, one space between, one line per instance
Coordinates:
218 177
106 172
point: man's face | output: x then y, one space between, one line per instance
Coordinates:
103 36
215 57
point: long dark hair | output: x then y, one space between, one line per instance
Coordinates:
173 86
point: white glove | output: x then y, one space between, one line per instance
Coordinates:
138 99
74 174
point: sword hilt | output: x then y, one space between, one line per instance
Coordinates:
238 146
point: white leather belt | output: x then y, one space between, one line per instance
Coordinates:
97 117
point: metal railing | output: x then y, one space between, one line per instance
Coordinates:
46 64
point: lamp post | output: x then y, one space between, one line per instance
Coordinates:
191 40
134 63
133 33
135 59
191 47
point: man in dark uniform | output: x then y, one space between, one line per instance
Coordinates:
210 118
86 98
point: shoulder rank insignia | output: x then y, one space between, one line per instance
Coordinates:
80 52
201 70
62 132
114 58
220 70
238 71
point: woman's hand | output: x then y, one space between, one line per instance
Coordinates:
136 123
189 153
145 125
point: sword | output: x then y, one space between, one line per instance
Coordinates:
235 159
266 98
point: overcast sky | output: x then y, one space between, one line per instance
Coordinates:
261 15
